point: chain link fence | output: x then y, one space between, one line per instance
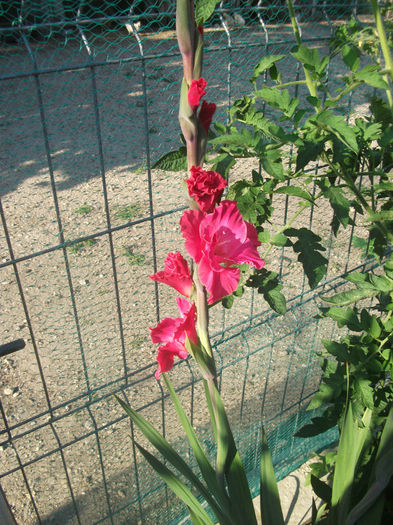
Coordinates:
88 103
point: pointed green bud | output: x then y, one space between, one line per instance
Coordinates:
185 30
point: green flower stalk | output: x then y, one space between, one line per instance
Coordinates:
186 29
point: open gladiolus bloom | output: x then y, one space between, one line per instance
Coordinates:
219 242
172 332
176 273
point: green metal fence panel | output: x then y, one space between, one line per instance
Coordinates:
88 102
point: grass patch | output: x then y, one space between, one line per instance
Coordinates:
133 259
77 247
137 342
128 211
84 209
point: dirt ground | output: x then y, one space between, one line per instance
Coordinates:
84 309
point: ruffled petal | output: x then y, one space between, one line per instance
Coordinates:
189 224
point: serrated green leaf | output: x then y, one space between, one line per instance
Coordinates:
381 283
308 57
372 78
307 152
173 161
364 390
272 164
295 191
343 317
280 240
268 285
266 63
359 279
204 9
271 512
351 296
337 124
338 350
264 236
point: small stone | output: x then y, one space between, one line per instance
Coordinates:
83 282
8 391
122 493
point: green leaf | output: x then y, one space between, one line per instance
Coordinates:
267 284
364 390
296 192
228 462
308 248
179 488
222 164
204 9
324 395
351 57
173 161
266 63
308 57
162 445
272 164
205 467
351 296
383 472
307 152
271 512
385 215
280 240
343 317
338 350
371 77
337 124
350 446
321 489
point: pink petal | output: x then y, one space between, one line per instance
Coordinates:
189 224
165 330
218 283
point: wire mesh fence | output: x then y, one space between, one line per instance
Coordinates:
88 98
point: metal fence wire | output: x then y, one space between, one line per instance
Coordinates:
88 102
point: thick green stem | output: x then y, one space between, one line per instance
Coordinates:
311 85
384 46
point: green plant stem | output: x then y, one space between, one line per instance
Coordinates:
287 84
345 92
309 81
384 45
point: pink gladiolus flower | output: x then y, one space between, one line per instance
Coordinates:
176 273
206 114
196 92
217 242
206 187
172 331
